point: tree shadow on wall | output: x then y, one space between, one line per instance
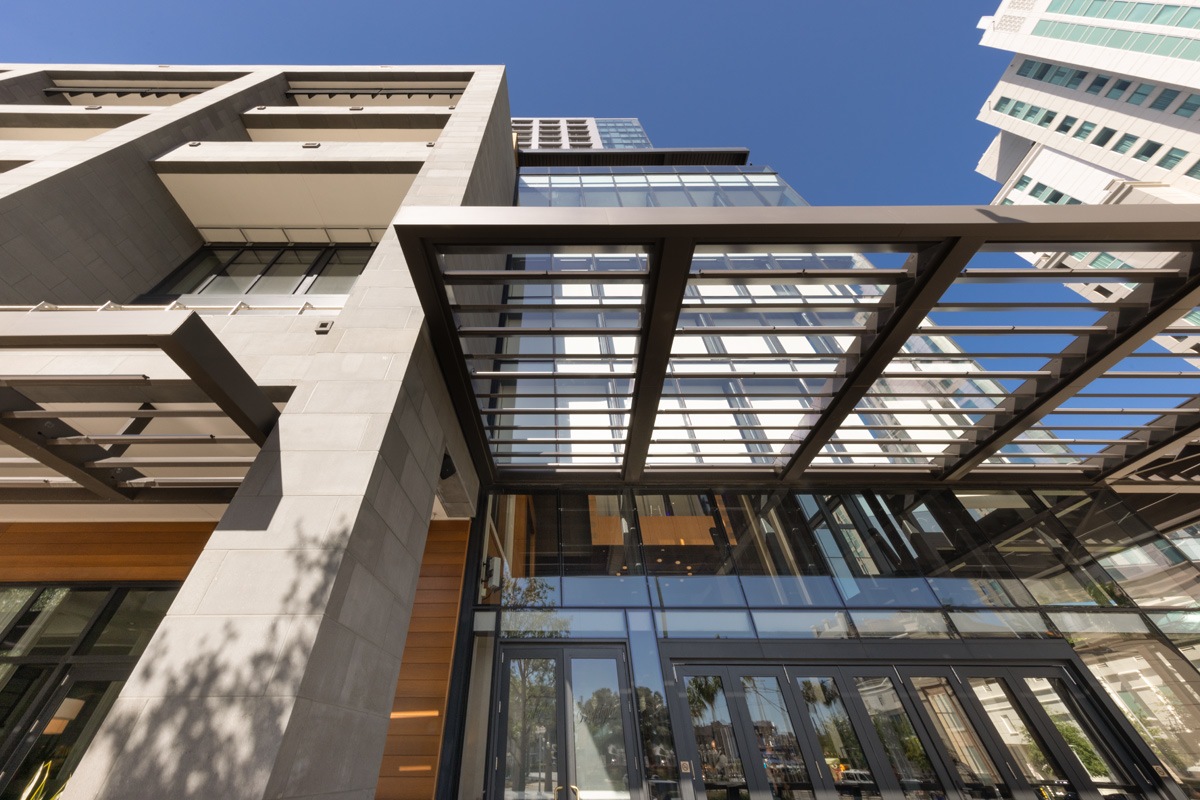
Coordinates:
205 712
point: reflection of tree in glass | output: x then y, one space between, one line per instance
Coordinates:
702 692
1081 746
834 731
655 724
528 593
898 737
601 715
532 732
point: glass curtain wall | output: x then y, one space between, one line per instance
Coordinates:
646 566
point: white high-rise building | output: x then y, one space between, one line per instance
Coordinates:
1100 105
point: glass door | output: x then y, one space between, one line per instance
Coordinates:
744 743
565 728
52 743
792 732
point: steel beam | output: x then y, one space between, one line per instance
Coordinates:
30 437
1089 357
181 335
903 308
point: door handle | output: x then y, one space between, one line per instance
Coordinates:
557 789
575 789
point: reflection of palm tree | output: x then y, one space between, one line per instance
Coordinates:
702 693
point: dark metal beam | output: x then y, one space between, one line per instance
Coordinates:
29 437
1089 357
1148 446
663 296
902 309
181 335
1162 227
439 318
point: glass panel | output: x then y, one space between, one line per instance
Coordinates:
778 561
474 766
1007 624
777 743
12 600
525 537
871 564
572 624
720 764
241 273
286 273
900 624
802 624
341 271
1144 563
725 624
598 536
1025 746
970 758
1058 705
59 747
1057 571
206 262
601 765
939 530
53 623
1182 629
129 630
839 742
19 686
531 730
680 535
905 751
1156 688
658 744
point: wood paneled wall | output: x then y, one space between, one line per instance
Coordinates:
100 551
410 758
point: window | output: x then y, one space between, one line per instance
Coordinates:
1148 150
1066 124
1050 73
1124 143
1103 137
1194 172
268 270
1189 106
1085 130
1021 184
1164 99
1098 83
1118 89
1140 94
50 636
1172 158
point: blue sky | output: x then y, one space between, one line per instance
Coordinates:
853 101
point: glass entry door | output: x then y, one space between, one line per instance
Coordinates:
792 731
565 728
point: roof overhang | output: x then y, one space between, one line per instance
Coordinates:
185 433
471 247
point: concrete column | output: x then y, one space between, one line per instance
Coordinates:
273 673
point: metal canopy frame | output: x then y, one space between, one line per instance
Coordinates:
95 467
940 241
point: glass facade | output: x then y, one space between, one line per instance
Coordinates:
65 653
622 134
645 187
786 575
